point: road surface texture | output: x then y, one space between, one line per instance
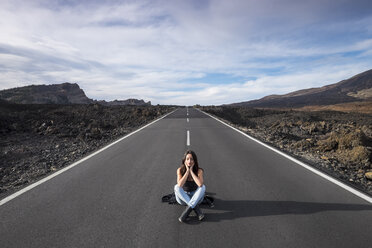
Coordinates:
113 199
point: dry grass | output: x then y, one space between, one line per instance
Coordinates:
362 94
359 107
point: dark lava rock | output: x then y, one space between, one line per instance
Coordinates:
36 140
338 143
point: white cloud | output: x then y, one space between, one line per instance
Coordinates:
150 49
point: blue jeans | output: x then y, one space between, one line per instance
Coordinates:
189 198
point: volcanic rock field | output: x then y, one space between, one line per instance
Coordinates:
38 139
337 143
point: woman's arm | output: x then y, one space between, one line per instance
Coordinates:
197 178
182 179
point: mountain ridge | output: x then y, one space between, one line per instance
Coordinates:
356 88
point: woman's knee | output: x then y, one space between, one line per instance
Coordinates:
178 190
176 187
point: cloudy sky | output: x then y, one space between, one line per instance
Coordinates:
184 51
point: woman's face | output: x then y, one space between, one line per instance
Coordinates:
189 161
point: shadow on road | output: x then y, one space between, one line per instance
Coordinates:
228 210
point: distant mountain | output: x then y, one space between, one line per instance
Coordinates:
357 88
135 102
65 93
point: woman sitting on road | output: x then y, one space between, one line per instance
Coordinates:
190 189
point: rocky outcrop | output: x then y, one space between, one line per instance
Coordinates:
65 93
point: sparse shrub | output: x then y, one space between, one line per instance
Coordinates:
329 144
359 154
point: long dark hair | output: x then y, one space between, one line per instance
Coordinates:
195 169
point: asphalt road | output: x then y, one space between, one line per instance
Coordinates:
113 199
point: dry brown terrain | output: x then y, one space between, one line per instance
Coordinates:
357 107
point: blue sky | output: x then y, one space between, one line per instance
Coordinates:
184 52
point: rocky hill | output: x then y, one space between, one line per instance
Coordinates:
355 89
65 93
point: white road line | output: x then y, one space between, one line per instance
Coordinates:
188 138
18 193
187 119
341 184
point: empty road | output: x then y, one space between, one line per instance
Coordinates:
113 199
